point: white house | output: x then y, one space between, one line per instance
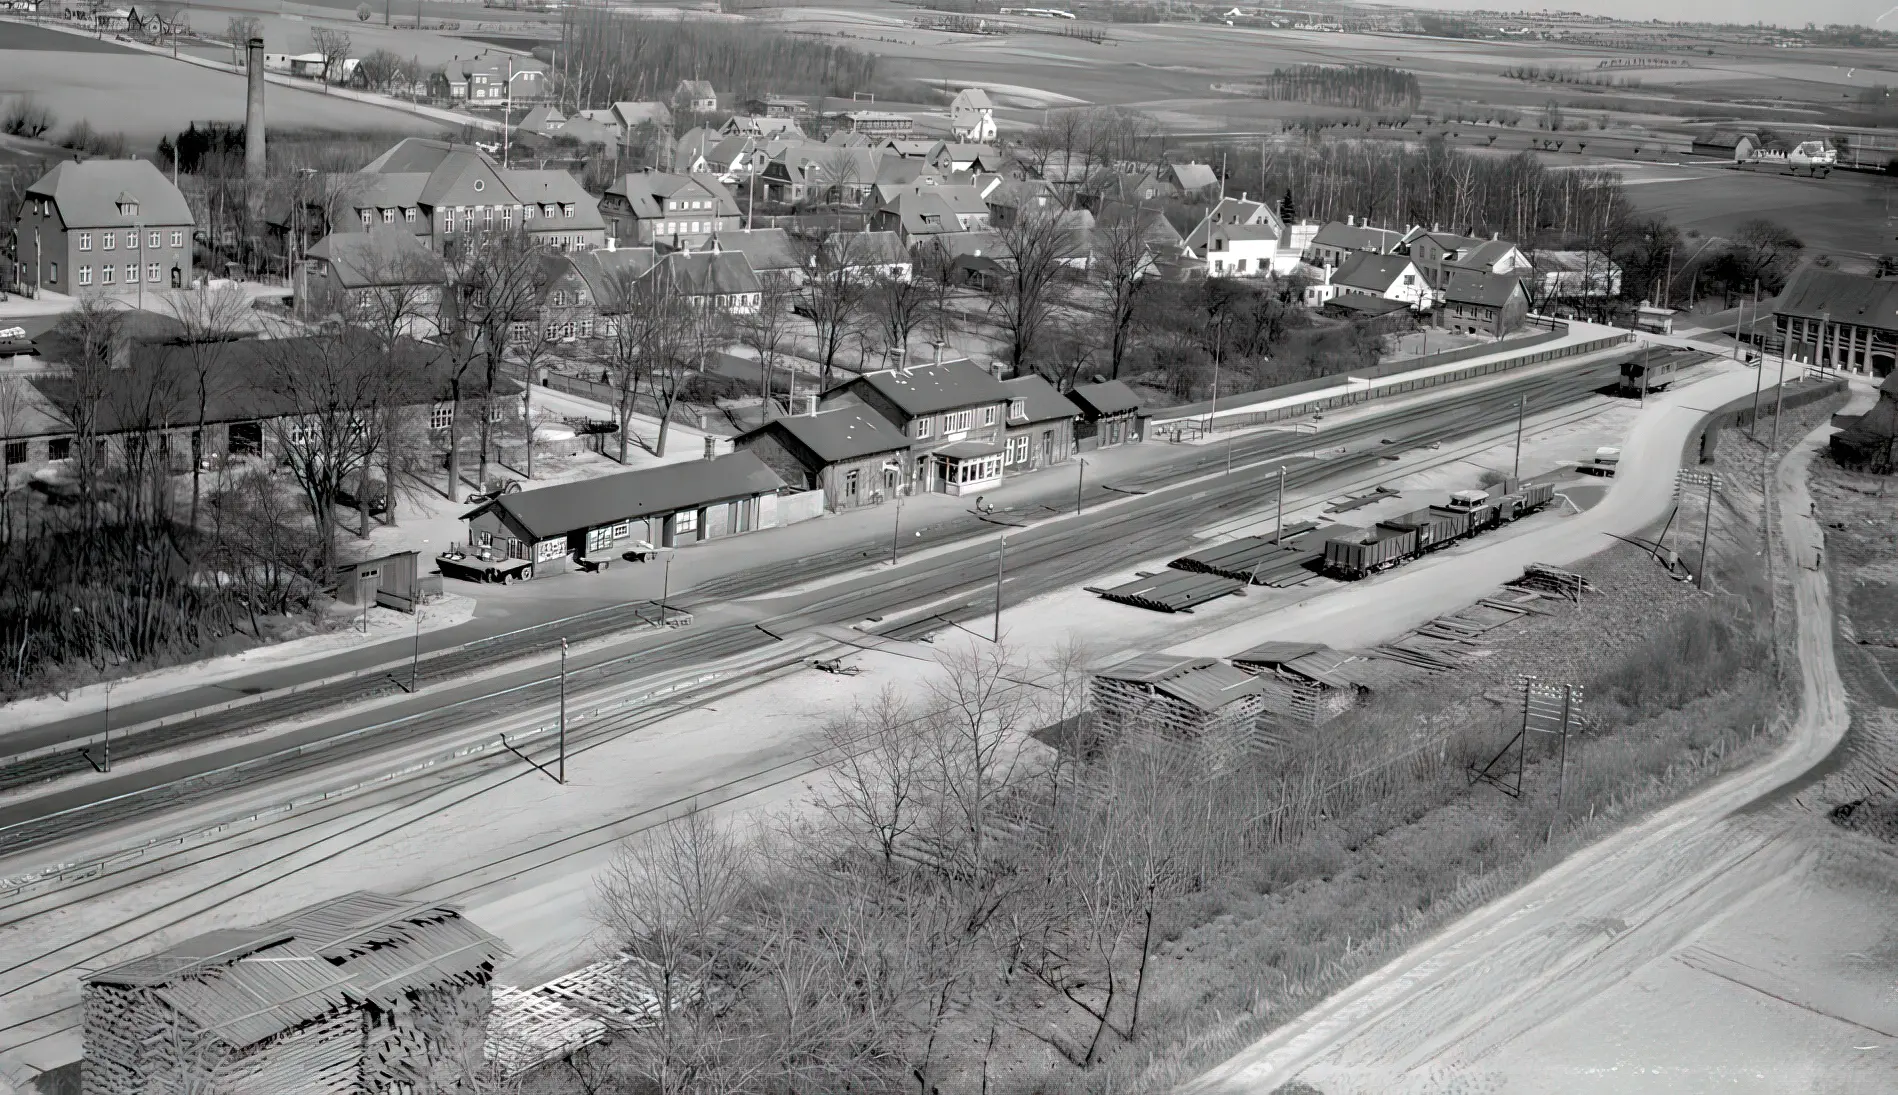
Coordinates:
972 116
1238 238
1392 277
1568 275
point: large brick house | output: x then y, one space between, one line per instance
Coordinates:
491 79
653 207
1475 302
953 412
377 278
102 225
448 194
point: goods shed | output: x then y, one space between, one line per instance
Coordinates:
669 506
1172 701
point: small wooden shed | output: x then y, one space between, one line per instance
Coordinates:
1170 701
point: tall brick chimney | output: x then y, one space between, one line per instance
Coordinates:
254 113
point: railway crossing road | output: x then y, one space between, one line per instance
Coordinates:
1435 1018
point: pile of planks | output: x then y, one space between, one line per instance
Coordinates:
1452 642
1542 578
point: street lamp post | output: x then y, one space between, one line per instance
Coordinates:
896 531
1001 558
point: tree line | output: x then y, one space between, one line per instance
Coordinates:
1365 87
606 56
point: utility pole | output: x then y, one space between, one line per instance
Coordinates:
1759 378
1779 391
1279 537
415 606
562 777
1645 347
106 746
1080 482
1522 402
1001 556
1739 316
1711 482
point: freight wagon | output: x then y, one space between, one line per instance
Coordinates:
1356 553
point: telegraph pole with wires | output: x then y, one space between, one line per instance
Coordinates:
1522 404
1711 482
562 777
1001 557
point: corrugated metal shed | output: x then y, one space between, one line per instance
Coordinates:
259 997
1207 683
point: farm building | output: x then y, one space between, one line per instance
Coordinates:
361 993
1727 144
1171 701
591 519
1840 321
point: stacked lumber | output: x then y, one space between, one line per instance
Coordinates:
1543 578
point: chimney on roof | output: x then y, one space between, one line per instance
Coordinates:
1495 235
711 447
999 369
612 243
1350 220
938 347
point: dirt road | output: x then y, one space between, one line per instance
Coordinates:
1441 1018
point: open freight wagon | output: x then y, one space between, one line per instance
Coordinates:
1357 553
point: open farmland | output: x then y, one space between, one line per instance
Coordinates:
147 97
1846 215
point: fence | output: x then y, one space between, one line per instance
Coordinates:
1346 397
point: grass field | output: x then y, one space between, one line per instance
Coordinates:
1846 215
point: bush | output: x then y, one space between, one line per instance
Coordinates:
83 138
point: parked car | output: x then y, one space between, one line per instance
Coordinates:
495 489
365 493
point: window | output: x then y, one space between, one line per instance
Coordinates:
365 217
487 215
448 221
586 328
441 416
388 216
566 210
110 239
85 275
988 416
566 330
516 549
507 216
956 421
131 273
85 241
151 272
59 448
922 427
686 520
622 530
1017 451
553 330
494 411
108 272
53 271
599 539
1017 408
407 215
850 483
177 238
156 239
557 298
549 549
16 453
484 539
527 213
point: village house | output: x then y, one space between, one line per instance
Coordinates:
382 278
775 106
1735 146
695 96
548 122
1237 238
872 123
1840 321
1191 180
652 207
583 293
820 174
1576 275
1388 277
590 521
778 126
770 252
491 78
626 119
870 254
1010 199
98 225
972 116
1335 243
364 992
953 413
1479 303
921 210
451 194
1437 254
850 452
711 279
1039 426
1110 414
1165 253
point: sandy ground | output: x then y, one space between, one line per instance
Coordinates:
1698 950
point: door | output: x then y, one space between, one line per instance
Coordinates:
1047 447
177 278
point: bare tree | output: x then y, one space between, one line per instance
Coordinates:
239 31
1121 262
1036 248
878 775
901 307
501 281
768 330
834 296
209 318
334 45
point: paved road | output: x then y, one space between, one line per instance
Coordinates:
1433 1019
1046 557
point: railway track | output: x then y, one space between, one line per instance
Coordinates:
1041 559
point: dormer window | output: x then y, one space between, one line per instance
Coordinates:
566 209
1017 408
128 208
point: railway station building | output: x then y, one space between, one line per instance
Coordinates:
1840 321
953 412
589 521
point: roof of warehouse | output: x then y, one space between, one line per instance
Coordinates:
589 503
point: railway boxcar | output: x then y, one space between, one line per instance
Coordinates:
1354 553
1434 526
1658 371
